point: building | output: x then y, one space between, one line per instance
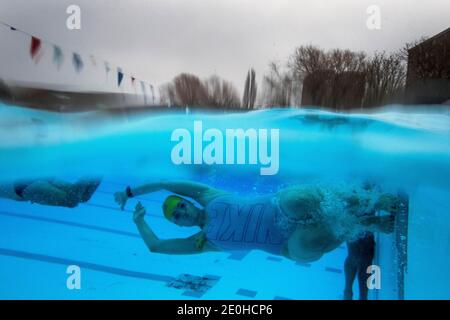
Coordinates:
428 75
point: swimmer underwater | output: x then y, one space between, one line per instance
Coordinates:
299 223
51 192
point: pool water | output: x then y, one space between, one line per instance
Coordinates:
407 151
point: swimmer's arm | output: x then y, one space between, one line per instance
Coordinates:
198 191
192 245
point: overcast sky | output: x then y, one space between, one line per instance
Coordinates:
157 39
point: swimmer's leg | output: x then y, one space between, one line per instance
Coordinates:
350 270
363 276
45 193
360 256
310 243
80 191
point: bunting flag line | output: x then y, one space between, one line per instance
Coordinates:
77 62
119 76
35 46
37 50
58 57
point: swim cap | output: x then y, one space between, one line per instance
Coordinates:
169 205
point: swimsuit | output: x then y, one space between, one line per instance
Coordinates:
236 223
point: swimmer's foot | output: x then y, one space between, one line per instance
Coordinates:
90 188
348 294
384 224
389 203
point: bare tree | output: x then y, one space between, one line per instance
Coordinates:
184 90
187 90
345 60
307 60
278 86
167 94
333 79
221 93
385 79
346 82
404 52
250 91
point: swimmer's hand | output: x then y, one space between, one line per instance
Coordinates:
139 213
121 199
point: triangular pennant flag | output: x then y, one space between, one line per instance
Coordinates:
35 46
77 62
119 76
58 57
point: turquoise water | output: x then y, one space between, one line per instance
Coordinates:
398 150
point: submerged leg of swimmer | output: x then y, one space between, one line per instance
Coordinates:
59 193
363 276
360 256
80 191
350 270
43 192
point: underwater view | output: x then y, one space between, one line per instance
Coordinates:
211 157
95 154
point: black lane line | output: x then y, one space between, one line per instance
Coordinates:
86 265
68 223
331 269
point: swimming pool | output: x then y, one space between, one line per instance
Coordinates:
407 151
